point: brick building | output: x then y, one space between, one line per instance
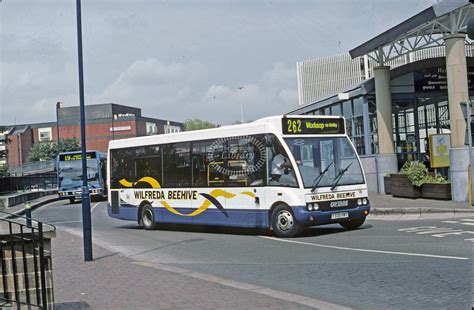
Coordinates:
104 122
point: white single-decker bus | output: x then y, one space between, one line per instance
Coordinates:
284 173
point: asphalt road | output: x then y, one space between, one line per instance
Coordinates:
413 264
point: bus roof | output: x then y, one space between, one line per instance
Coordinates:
270 124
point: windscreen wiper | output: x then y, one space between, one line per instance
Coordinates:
320 176
339 175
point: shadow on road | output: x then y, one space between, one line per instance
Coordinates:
311 232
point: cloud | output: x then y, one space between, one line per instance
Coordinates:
179 91
151 82
32 90
274 92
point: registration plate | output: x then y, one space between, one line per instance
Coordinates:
339 215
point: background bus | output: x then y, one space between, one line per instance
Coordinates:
283 173
69 167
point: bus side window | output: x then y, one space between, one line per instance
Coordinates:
280 170
246 161
215 177
177 165
122 166
200 163
148 164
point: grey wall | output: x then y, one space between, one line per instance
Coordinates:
370 170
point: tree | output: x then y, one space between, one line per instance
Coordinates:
48 150
197 124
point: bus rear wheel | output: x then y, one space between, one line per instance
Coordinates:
352 224
147 218
283 222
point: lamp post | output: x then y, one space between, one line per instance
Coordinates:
58 106
470 34
241 107
86 204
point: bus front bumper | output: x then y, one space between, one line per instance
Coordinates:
77 194
315 218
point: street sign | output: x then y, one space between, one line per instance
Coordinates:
439 150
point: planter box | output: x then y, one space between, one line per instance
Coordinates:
436 191
387 185
401 187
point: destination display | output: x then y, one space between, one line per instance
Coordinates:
70 157
312 126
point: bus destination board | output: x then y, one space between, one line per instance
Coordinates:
70 157
312 126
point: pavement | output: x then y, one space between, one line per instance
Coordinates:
113 281
19 209
382 204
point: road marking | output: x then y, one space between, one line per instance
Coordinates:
440 232
65 222
471 222
366 250
302 300
456 233
94 206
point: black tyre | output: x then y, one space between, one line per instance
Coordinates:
283 222
71 200
352 224
147 218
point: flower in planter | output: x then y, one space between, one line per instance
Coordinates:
415 171
436 179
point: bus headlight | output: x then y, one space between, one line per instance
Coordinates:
359 202
315 206
309 207
365 201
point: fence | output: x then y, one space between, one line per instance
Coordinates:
32 168
25 255
28 182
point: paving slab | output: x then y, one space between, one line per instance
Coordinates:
113 281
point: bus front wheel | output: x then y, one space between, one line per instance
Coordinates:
148 218
352 224
283 222
71 200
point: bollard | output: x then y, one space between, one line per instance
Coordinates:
28 214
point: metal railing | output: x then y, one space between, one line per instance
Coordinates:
32 168
22 253
28 183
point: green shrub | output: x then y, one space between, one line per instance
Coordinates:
437 179
415 171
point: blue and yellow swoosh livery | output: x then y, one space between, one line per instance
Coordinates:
210 198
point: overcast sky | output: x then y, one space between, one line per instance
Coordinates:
176 59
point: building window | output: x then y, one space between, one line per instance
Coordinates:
358 125
172 129
45 134
336 109
373 138
151 129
